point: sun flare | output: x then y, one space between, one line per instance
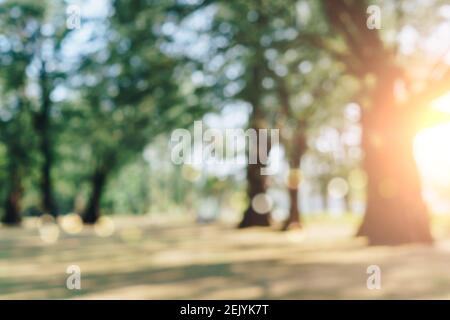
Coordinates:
432 153
442 104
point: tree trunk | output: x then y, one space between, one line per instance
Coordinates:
257 184
48 203
42 124
293 219
348 203
323 193
395 211
12 202
92 212
295 153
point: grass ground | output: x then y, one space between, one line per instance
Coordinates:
141 260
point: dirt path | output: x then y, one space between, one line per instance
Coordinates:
143 261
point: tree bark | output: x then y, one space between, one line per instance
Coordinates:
12 202
43 127
257 184
92 212
48 203
395 212
348 203
295 154
293 219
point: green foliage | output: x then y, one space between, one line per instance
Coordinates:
133 80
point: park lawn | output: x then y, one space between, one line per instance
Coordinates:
147 260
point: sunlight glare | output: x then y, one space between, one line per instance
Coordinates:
442 103
432 153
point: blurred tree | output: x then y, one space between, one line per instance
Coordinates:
305 103
395 210
36 33
131 94
237 66
19 38
51 70
245 33
256 58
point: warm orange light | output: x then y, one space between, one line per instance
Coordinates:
442 104
432 150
